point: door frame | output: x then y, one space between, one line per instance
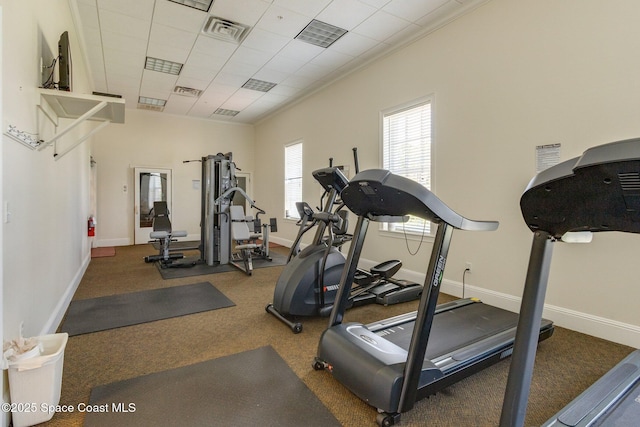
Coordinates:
141 234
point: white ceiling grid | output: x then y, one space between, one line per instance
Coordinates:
118 35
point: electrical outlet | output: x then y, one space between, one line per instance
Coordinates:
467 266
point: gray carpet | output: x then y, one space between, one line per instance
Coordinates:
115 311
252 388
200 269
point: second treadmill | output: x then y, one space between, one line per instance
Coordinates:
393 362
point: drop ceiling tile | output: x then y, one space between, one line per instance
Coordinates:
122 24
141 9
92 40
154 82
237 103
197 59
191 82
216 89
266 41
380 26
285 64
246 12
164 34
230 79
244 70
203 110
353 44
314 71
245 55
248 94
177 104
282 21
332 59
178 16
300 50
298 82
271 75
166 52
205 74
308 8
89 15
212 47
346 14
376 3
412 10
123 63
118 42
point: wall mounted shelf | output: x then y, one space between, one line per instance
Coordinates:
79 107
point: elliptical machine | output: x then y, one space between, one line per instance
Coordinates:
309 282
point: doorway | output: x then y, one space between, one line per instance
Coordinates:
151 185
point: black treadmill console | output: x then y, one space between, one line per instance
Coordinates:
378 193
331 178
598 191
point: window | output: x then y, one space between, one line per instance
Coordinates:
292 179
406 151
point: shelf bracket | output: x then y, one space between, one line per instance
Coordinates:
57 156
79 108
75 123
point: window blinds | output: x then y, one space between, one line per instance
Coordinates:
407 152
292 179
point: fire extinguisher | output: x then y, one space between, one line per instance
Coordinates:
91 226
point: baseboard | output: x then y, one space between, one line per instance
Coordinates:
280 241
610 330
61 308
101 243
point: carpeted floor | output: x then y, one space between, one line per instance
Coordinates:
566 363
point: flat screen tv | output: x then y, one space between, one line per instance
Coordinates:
64 63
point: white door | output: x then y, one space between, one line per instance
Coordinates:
151 185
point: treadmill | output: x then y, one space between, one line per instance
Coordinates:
596 192
391 363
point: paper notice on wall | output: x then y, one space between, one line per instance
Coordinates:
547 156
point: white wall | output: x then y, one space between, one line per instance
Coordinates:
506 77
45 242
150 139
45 247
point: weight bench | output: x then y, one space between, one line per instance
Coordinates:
164 235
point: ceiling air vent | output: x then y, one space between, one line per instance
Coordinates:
152 104
259 85
225 112
196 4
320 33
187 91
226 30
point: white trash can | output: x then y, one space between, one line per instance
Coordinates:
35 382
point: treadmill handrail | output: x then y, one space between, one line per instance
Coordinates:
378 193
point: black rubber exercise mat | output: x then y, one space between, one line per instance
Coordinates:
200 269
115 311
252 388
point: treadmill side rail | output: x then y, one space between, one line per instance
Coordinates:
595 402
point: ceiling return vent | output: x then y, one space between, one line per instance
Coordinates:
187 91
320 33
226 112
224 29
259 85
153 104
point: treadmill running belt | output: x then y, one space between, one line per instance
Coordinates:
455 328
